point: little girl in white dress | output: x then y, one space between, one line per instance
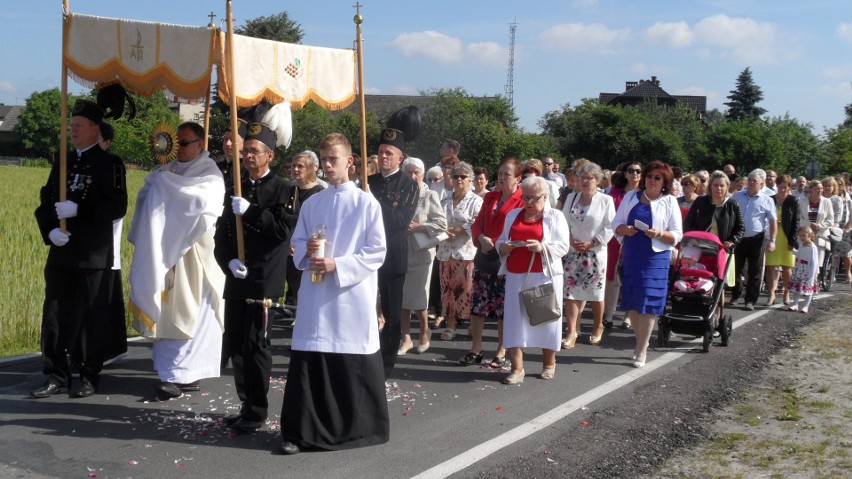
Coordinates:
803 282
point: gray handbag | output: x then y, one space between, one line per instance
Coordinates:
541 302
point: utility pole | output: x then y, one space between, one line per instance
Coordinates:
510 80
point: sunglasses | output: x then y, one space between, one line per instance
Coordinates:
187 142
634 170
653 177
703 180
460 177
548 164
531 198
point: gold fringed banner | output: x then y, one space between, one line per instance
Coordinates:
145 57
277 71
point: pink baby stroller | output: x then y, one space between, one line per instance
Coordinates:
695 291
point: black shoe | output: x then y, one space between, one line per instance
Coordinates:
289 448
232 418
83 390
607 324
189 387
168 390
471 358
246 426
49 388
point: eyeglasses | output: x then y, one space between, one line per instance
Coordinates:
633 171
255 152
531 199
587 179
435 179
548 164
460 177
187 142
653 177
703 180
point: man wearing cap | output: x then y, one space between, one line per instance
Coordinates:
261 275
176 285
397 194
76 305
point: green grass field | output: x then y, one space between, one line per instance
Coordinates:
23 254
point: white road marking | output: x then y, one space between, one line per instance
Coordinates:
483 450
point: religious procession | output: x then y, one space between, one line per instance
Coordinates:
377 256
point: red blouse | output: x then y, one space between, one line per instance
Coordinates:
490 219
522 230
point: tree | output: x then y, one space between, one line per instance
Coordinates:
847 123
745 144
278 27
744 99
38 125
838 146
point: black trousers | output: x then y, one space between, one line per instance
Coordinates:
75 321
248 337
294 281
390 289
749 251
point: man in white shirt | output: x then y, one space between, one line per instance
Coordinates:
760 218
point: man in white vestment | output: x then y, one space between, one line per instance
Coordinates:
176 285
335 393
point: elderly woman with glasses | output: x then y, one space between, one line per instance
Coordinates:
626 179
456 252
589 214
648 222
428 221
527 232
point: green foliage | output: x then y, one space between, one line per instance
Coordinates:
798 145
745 144
131 141
38 125
24 253
744 99
847 122
278 27
609 135
838 150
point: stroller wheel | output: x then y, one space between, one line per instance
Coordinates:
708 339
725 329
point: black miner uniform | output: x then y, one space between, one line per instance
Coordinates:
247 331
76 316
398 195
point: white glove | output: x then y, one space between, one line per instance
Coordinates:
66 209
239 205
58 237
238 269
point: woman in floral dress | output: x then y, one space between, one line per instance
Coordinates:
589 214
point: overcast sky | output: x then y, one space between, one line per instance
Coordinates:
800 52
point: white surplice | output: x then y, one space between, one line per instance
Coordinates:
338 314
176 285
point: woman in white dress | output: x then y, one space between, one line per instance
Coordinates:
589 214
526 233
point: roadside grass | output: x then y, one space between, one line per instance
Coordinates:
794 425
23 254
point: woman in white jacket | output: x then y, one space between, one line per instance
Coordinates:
526 233
648 222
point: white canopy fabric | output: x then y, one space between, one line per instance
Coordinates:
146 57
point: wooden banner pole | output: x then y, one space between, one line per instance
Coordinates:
63 117
232 99
362 102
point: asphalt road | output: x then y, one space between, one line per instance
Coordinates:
599 417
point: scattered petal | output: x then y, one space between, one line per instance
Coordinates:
547 451
132 462
499 408
584 423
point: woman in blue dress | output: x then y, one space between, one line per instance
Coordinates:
648 222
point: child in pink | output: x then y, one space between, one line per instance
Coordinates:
803 282
689 283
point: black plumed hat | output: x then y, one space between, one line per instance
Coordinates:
88 109
112 99
402 127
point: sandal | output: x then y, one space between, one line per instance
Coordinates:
471 358
514 378
548 373
499 362
569 343
448 334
